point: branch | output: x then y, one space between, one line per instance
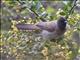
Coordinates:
72 8
42 19
37 16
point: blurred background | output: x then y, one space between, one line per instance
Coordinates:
24 45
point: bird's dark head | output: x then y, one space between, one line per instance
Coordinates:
62 23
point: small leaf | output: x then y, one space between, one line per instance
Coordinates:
50 10
62 13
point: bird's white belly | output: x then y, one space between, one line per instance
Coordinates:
49 35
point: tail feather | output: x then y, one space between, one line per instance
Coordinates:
27 27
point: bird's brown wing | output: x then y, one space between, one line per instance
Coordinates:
49 26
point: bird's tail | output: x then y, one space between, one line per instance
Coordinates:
27 27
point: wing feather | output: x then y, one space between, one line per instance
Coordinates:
49 26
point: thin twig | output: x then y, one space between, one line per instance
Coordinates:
42 19
72 8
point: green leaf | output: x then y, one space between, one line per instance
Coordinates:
50 10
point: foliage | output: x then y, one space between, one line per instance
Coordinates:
25 45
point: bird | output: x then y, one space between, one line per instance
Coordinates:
49 30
